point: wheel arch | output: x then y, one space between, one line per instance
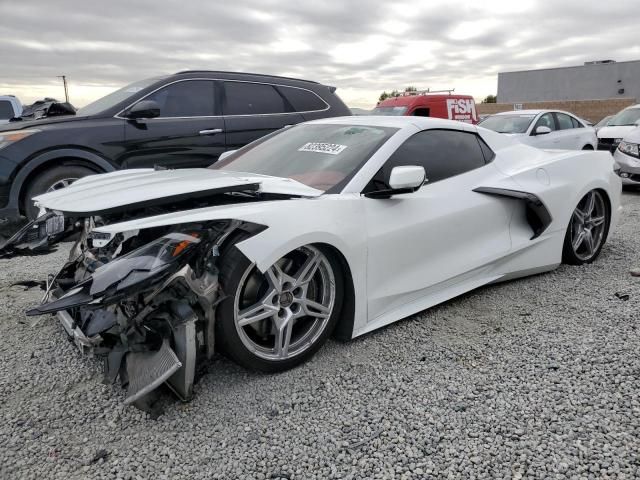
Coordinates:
44 161
344 327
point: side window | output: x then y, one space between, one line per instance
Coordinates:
546 120
252 99
303 100
421 112
442 153
6 110
190 98
576 123
564 121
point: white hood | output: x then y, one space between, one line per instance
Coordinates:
140 187
633 136
616 132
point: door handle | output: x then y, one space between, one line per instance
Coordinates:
212 131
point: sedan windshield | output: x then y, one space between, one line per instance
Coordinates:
508 123
114 98
318 155
627 117
390 111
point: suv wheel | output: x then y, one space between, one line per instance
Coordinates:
50 180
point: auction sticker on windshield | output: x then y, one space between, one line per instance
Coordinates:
318 147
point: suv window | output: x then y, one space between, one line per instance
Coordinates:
189 98
252 99
564 121
442 153
6 110
303 100
546 120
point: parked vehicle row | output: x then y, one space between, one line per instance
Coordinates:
183 120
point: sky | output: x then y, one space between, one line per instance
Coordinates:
360 46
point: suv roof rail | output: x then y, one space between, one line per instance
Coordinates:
245 73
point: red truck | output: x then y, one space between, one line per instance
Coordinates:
430 104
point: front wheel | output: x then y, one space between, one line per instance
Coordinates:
587 230
276 320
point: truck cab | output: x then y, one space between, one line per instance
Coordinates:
10 107
430 104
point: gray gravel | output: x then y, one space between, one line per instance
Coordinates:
534 378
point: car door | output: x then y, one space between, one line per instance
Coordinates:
252 110
189 132
568 135
434 238
547 140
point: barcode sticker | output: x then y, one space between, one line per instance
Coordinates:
317 147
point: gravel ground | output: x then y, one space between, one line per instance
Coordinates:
534 378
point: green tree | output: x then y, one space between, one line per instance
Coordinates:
395 93
490 99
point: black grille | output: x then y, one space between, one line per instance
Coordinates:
606 144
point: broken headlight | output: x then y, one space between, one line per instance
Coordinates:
136 270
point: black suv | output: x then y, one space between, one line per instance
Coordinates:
182 120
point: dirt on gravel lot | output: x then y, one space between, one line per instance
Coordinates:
534 378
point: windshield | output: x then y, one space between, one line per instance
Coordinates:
508 123
604 122
116 97
627 117
318 155
393 111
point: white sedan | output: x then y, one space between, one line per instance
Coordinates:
544 129
341 225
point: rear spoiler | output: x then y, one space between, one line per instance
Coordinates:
331 89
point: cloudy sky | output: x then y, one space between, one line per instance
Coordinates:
360 46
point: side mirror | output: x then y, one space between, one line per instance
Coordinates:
405 179
410 177
542 130
144 109
224 155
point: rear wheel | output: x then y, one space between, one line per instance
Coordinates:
587 230
52 179
587 147
276 320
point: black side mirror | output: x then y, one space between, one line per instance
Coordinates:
144 109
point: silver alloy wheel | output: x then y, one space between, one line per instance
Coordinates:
62 183
281 313
588 224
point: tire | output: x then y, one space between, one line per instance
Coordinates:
251 345
587 147
51 179
590 218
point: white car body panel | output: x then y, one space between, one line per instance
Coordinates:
411 251
569 139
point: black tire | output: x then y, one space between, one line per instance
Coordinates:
587 147
46 180
569 256
233 267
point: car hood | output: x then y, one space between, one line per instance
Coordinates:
23 124
633 136
130 189
615 132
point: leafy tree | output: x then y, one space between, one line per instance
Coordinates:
395 93
490 99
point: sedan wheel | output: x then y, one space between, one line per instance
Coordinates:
282 316
587 229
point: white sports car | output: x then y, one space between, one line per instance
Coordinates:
340 225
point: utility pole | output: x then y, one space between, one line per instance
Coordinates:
66 91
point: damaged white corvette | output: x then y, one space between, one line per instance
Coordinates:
339 225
